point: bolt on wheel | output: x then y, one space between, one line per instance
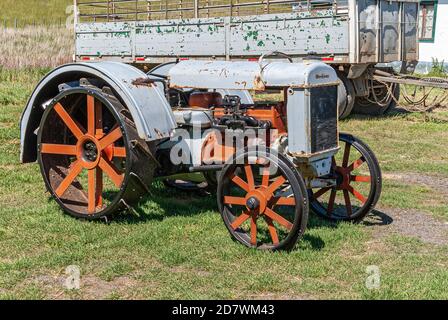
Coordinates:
84 154
263 201
358 183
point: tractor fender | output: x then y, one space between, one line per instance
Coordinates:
144 98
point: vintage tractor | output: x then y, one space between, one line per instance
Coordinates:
102 131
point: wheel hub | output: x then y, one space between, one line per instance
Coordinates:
256 201
252 203
90 151
342 178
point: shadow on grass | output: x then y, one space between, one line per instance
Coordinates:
163 202
171 202
398 111
316 243
430 114
377 218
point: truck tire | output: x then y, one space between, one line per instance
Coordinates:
364 106
346 96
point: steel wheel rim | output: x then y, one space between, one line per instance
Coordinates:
265 220
109 145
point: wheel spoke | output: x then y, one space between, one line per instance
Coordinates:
249 176
119 152
240 182
99 188
275 185
331 201
69 122
113 136
91 191
321 192
240 220
253 230
75 169
99 133
276 217
285 201
360 178
111 171
348 204
346 155
266 176
235 200
359 196
58 149
333 162
272 230
91 115
356 164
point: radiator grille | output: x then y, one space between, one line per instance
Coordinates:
324 118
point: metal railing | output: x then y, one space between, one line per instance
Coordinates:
138 10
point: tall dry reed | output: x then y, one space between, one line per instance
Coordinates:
35 47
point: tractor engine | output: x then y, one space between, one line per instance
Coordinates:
301 124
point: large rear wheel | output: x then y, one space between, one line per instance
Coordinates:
90 154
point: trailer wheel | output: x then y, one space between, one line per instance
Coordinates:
263 202
90 156
385 104
358 177
346 96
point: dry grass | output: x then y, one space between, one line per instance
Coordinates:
31 47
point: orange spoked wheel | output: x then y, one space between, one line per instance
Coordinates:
358 183
85 156
262 200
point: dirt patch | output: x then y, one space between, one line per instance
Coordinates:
408 222
438 183
8 167
180 269
6 125
90 287
278 296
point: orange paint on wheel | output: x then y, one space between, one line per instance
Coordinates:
62 149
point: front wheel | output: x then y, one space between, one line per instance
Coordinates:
262 200
358 183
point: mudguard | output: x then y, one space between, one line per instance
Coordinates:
145 99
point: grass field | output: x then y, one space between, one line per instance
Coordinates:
33 11
178 246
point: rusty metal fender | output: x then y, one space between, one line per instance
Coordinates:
145 100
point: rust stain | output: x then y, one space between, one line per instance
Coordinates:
159 133
258 83
242 83
145 82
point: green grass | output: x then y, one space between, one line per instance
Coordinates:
30 11
178 248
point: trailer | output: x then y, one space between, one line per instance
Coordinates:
102 131
352 36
